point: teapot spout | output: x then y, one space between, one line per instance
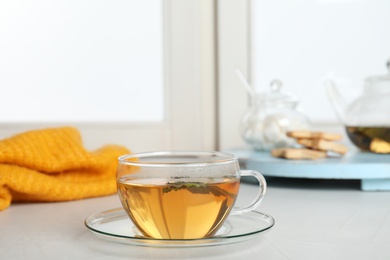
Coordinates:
336 99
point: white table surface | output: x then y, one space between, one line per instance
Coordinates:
315 219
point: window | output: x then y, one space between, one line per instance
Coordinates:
302 42
82 61
102 65
299 43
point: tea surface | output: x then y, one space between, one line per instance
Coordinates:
178 209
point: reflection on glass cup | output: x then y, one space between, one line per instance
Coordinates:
182 194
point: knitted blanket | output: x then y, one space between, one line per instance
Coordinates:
52 165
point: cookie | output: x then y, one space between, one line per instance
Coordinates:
323 145
299 134
298 153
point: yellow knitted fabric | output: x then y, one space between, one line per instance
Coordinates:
52 165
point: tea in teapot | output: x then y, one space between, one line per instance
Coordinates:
373 139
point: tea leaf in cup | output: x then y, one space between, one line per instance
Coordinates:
196 188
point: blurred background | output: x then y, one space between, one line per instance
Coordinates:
157 74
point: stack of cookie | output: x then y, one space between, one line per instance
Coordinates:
315 145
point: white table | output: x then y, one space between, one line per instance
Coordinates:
315 219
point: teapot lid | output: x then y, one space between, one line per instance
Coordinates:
276 96
380 78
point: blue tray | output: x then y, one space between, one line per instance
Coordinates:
372 169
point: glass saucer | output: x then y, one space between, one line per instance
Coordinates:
115 225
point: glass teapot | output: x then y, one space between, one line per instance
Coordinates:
367 118
270 115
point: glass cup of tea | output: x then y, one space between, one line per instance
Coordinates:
182 194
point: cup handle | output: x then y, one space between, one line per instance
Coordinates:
260 193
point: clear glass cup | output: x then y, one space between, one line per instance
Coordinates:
182 194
